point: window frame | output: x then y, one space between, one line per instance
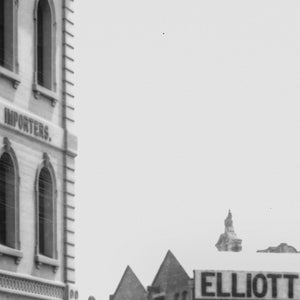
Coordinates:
41 258
15 251
40 90
13 73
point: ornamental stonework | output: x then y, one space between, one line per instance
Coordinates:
29 287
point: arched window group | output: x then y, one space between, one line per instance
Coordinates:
45 205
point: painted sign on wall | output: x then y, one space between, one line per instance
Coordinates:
246 285
26 124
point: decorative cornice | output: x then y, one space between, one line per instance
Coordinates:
30 288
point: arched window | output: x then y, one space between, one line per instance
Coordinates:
9 202
46 222
46 210
184 295
44 45
8 39
176 296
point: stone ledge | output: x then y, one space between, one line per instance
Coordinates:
46 93
15 253
45 260
10 75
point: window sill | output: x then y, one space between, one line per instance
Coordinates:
45 260
15 253
42 91
10 75
159 295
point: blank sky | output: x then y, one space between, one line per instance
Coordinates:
184 110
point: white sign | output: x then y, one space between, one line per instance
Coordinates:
246 285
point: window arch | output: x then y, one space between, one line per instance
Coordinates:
46 211
45 28
9 197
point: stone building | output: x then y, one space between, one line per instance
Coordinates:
38 148
170 282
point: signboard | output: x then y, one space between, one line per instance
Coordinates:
24 122
246 285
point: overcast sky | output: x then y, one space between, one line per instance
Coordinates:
185 109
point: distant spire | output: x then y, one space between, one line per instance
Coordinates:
228 221
228 241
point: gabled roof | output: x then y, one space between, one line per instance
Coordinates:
171 275
129 288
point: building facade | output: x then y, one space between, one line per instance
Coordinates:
37 150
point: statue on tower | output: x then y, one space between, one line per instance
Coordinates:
228 241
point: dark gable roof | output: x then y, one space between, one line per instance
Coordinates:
129 288
171 276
